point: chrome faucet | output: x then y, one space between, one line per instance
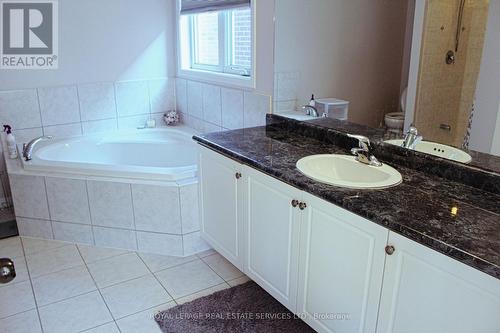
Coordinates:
364 152
28 147
311 110
411 138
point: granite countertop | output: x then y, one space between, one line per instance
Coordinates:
458 220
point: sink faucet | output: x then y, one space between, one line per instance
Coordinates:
311 110
411 138
28 147
364 152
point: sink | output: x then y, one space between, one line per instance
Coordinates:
438 149
345 171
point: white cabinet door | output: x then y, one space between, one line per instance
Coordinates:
221 226
425 291
272 230
341 268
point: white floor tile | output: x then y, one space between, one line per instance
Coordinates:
143 322
26 322
11 247
35 245
157 262
106 328
75 314
117 269
202 293
57 286
206 253
238 281
53 260
188 278
133 296
221 266
16 298
93 253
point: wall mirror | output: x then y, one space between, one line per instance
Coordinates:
433 64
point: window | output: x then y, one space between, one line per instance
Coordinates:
217 41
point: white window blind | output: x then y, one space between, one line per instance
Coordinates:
200 6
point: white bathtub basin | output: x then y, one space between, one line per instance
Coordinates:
160 154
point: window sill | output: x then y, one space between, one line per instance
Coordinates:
223 79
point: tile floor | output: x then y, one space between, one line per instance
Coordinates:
62 287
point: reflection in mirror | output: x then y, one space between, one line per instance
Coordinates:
391 64
450 59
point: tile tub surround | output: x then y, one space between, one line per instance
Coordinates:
482 173
85 108
92 289
155 217
453 218
210 108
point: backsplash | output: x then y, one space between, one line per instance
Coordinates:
210 108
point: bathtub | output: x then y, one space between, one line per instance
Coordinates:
155 154
134 190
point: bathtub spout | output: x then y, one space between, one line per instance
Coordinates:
28 147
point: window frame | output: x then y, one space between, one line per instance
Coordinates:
226 74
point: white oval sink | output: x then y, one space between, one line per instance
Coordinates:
345 171
438 149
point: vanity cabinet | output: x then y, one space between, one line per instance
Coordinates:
272 235
341 268
340 272
220 204
425 291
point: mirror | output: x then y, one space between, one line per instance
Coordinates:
388 64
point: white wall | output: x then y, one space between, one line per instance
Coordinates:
495 145
110 40
346 49
485 132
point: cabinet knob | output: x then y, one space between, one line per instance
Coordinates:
238 175
302 205
295 203
389 249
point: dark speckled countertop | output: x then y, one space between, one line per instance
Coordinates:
456 219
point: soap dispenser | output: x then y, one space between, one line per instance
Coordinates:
11 142
312 101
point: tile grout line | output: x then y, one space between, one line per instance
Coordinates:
115 89
90 212
133 217
48 206
226 281
95 283
199 291
79 108
39 110
156 278
88 329
213 270
32 289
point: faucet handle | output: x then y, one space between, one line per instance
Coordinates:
364 142
412 130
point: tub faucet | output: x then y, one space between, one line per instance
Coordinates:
28 147
364 153
411 138
311 110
